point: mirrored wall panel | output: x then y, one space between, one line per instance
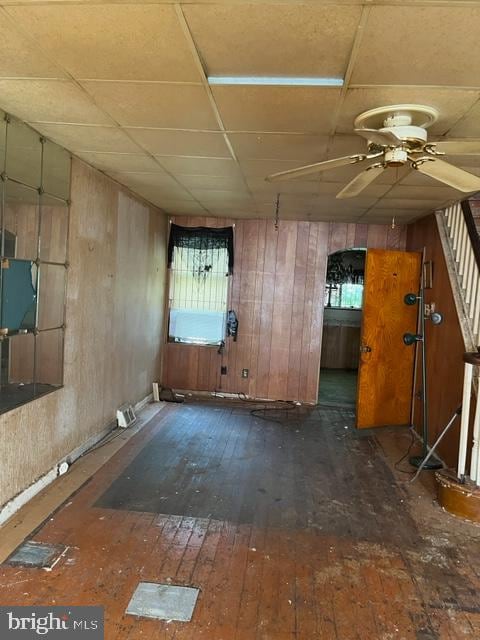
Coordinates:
53 229
19 296
49 358
52 279
34 210
20 220
18 370
23 154
56 170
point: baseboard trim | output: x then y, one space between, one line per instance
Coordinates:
10 508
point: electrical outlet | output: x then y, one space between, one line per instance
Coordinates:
244 373
223 370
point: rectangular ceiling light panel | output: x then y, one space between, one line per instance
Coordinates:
276 81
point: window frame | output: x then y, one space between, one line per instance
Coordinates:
225 270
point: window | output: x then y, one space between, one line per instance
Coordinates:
200 261
34 197
344 286
345 295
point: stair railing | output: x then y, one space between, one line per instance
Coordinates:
461 242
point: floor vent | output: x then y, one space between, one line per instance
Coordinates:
36 554
163 602
126 416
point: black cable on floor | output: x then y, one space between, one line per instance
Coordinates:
406 454
261 413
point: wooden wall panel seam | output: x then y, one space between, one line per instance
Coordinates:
258 296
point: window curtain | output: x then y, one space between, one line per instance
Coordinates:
201 239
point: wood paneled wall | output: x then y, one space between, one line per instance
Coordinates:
444 343
277 292
114 317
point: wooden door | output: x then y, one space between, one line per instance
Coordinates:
385 381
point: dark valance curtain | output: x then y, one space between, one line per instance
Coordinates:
201 238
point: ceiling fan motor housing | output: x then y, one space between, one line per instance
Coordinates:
409 133
397 136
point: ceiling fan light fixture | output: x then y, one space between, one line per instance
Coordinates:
396 157
396 135
280 81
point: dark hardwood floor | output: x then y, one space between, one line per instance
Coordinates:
298 528
308 470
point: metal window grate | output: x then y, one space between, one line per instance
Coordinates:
199 279
198 294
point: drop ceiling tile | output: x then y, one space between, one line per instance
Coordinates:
117 42
378 218
121 162
221 196
181 143
77 137
374 190
406 204
468 126
150 194
19 57
266 108
260 168
446 53
162 105
299 148
451 105
327 209
159 184
430 192
236 211
404 215
288 200
49 101
278 39
226 183
346 145
351 215
261 186
196 166
182 207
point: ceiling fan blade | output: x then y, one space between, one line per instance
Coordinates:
382 137
447 173
317 167
360 182
458 147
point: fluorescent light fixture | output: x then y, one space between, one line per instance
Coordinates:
282 81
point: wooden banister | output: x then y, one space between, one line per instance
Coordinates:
472 229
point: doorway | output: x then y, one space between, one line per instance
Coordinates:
342 321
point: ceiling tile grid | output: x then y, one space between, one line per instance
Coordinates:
124 86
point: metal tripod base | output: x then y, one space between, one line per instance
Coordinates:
432 462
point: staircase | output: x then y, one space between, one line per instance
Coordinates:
474 203
459 228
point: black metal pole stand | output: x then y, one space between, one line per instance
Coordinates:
424 460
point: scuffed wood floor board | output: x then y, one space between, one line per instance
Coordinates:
350 551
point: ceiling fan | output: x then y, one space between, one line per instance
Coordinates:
396 136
